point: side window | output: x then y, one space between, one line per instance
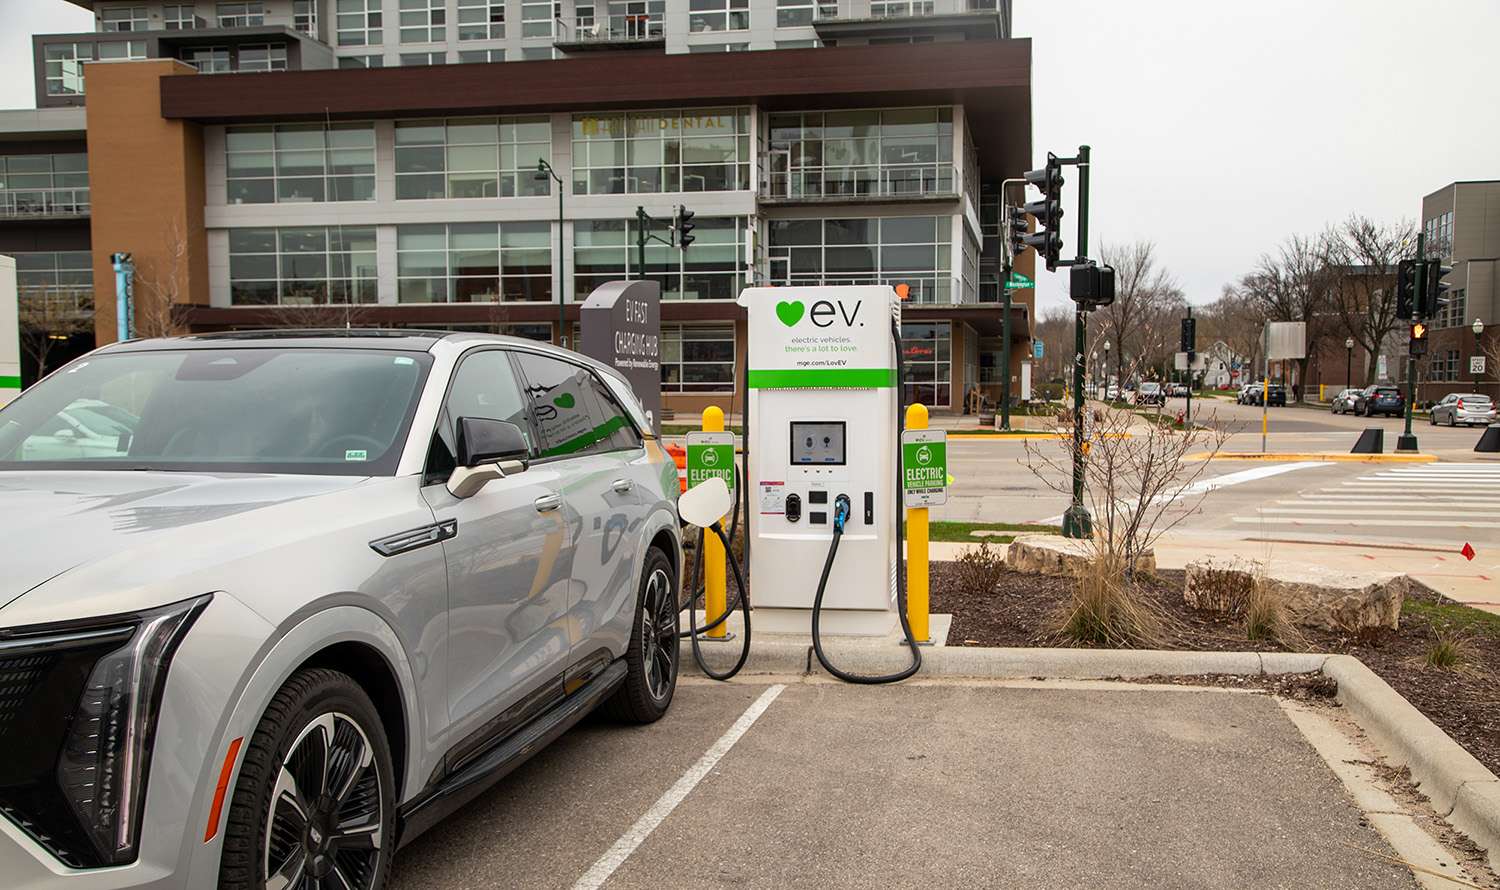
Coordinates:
484 386
573 409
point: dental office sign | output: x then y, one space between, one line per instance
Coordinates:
824 337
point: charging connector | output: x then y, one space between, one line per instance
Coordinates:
841 509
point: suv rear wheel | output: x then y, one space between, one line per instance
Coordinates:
652 657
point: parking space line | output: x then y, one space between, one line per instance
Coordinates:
595 877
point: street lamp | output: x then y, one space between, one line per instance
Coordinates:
1478 328
1349 364
1094 360
1106 369
544 171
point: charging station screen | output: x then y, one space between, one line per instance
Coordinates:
818 444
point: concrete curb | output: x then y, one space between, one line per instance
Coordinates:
1315 455
1458 785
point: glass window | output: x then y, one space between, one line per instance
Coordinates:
179 17
481 20
62 67
926 363
676 150
713 268
472 157
358 23
123 18
893 250
480 56
573 409
485 387
44 185
423 21
899 151
305 16
301 266
262 57
474 263
241 15
718 15
697 359
295 163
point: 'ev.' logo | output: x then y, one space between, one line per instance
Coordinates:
822 314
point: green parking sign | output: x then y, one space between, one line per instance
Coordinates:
710 454
924 467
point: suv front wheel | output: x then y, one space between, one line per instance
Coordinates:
314 804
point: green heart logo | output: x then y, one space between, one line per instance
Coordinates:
564 401
789 313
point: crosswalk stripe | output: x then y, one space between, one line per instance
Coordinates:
1428 496
1413 523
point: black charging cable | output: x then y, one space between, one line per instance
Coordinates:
744 603
841 510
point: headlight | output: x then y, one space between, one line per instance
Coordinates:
76 723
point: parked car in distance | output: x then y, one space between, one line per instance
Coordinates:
1456 408
1380 398
1113 392
1276 395
1177 390
320 589
1343 403
1249 394
1150 393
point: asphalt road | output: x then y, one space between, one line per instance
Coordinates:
953 785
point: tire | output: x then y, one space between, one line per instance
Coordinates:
1432 418
652 657
320 718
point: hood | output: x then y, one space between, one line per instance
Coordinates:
53 522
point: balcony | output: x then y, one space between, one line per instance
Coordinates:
57 302
612 32
910 18
44 203
887 183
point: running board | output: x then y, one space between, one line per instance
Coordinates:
495 764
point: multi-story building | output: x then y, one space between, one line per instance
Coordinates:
488 163
1461 222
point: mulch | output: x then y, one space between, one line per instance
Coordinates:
1023 610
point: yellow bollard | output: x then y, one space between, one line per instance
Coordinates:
715 592
917 563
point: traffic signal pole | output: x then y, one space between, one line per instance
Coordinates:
1407 441
1076 521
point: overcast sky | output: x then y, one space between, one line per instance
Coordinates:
1217 129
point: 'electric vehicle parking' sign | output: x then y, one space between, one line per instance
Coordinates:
924 467
708 455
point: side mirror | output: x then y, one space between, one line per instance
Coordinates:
487 450
705 503
482 441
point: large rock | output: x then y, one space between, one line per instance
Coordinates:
1314 596
1054 555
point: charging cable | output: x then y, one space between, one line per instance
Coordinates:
741 599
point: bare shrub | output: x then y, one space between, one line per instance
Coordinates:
1109 609
979 568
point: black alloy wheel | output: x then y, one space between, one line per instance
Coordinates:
651 660
314 805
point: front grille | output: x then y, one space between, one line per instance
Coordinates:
42 674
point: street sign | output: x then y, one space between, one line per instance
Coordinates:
1019 282
1476 364
1036 346
708 455
924 467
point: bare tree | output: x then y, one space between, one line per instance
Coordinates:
322 315
1234 320
1055 330
1142 293
1293 285
47 316
160 280
1363 256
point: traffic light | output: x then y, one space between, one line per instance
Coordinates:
1189 334
1406 288
1015 227
1434 285
684 226
1047 239
1418 338
1092 286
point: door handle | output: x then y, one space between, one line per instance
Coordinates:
624 485
547 503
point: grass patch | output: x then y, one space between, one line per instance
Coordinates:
1453 617
963 532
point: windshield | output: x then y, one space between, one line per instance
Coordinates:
334 411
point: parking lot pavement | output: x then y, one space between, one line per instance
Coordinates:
952 784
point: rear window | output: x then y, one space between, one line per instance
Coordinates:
1383 392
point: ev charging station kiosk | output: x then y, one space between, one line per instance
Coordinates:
822 375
